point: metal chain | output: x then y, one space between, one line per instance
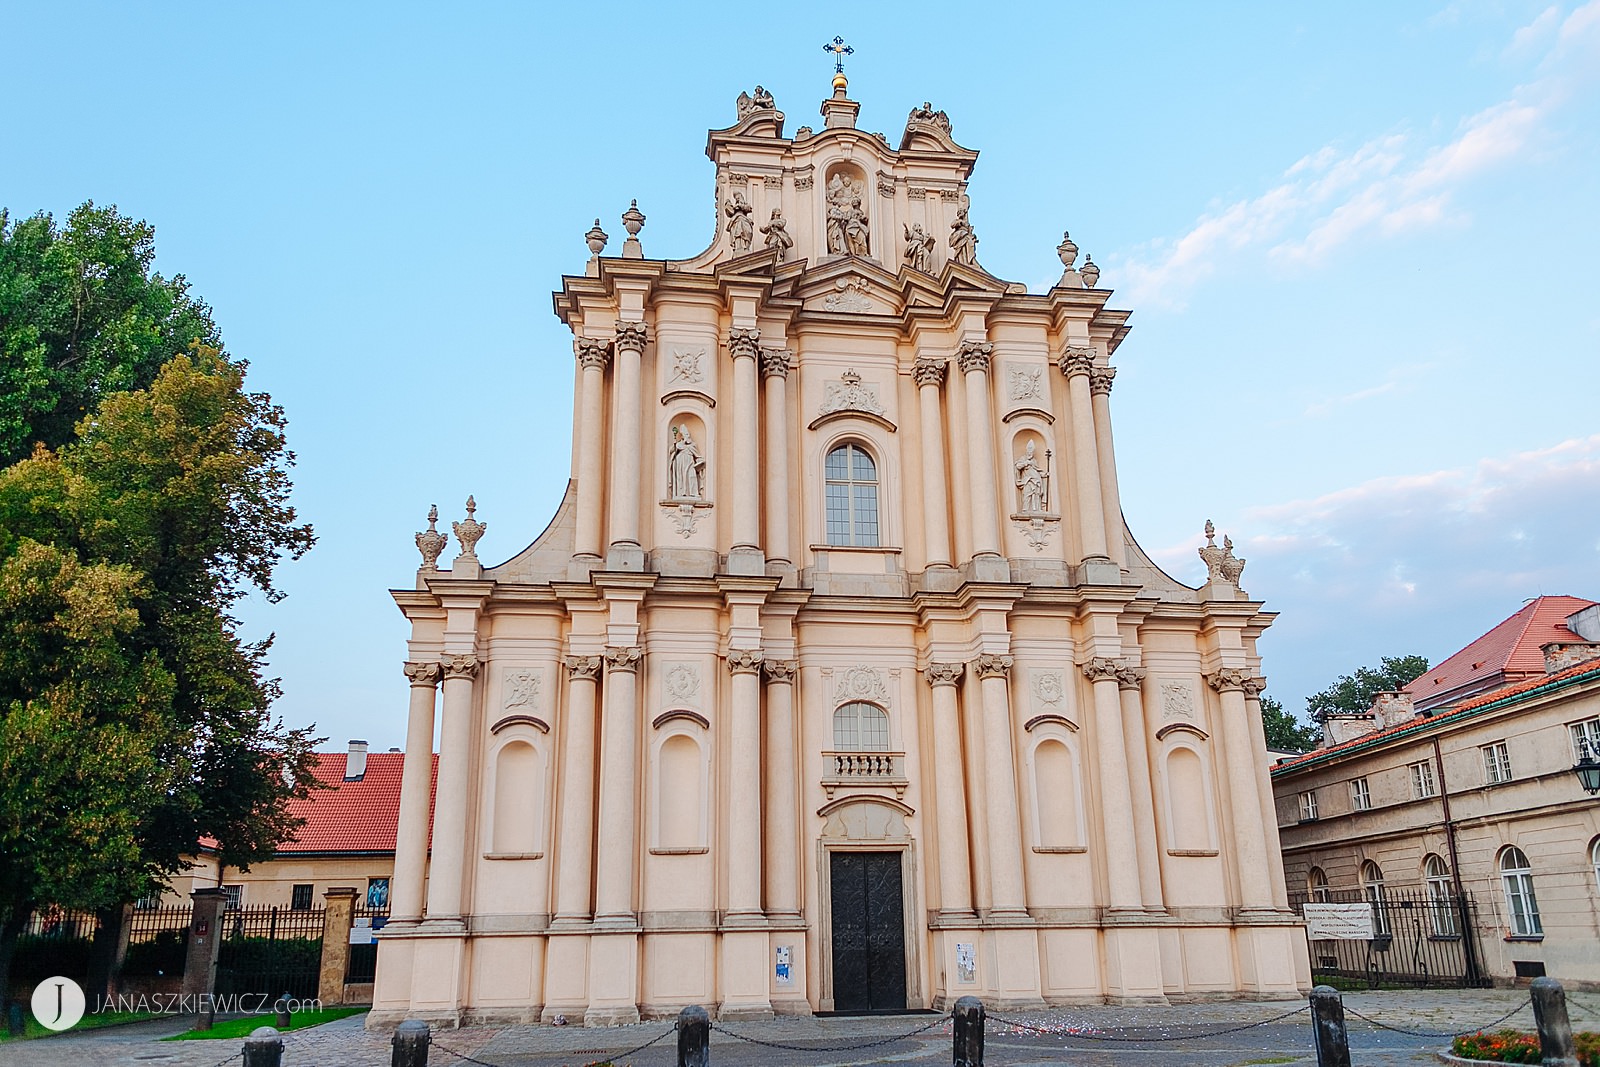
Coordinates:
1142 1040
460 1055
230 1059
832 1048
1434 1033
609 1054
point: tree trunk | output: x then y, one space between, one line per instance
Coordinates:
10 930
103 962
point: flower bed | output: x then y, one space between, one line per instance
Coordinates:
1516 1046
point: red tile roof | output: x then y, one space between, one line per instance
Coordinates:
352 816
1508 653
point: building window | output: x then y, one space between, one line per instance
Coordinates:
1360 795
1441 900
1422 781
1594 860
1308 807
1516 878
852 497
300 898
148 901
234 895
1496 763
1317 883
1377 895
1586 738
860 728
378 893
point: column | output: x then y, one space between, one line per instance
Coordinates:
416 784
1130 684
744 787
1258 746
775 372
1243 799
450 802
1003 823
1077 365
744 347
955 873
619 773
1111 499
593 355
783 823
575 847
1116 799
973 358
625 552
929 375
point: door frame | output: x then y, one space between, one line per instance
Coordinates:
912 933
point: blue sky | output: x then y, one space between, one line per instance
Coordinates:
1358 240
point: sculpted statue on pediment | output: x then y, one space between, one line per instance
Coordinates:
741 228
963 240
777 231
919 248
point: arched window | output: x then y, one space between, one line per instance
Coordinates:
860 727
852 496
1377 896
1594 860
1441 897
1516 878
1317 884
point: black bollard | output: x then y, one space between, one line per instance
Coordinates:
1327 1025
263 1048
16 1021
968 1030
1555 1029
282 1008
411 1039
694 1037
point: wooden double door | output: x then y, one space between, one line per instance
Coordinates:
868 918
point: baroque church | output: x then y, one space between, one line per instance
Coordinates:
837 681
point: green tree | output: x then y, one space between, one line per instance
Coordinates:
1285 731
81 315
1353 694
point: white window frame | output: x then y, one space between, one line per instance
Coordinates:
1423 782
1496 763
1308 806
1317 885
1594 860
1377 894
1522 904
1586 732
1441 897
862 712
234 894
1360 795
853 536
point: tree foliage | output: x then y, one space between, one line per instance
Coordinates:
1353 694
1284 731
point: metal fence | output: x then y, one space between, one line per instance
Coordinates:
158 940
1422 936
66 924
266 951
362 965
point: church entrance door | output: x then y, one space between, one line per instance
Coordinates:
869 949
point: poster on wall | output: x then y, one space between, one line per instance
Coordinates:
966 963
781 969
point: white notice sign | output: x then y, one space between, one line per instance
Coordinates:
1338 922
361 932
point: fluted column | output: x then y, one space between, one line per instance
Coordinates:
782 823
1116 799
450 803
416 783
929 374
1130 684
1078 365
1243 797
575 852
1100 379
744 788
744 347
955 872
625 446
593 355
775 371
1258 746
974 357
1002 820
619 757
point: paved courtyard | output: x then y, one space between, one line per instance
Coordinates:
1093 1036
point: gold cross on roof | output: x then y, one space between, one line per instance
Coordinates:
839 50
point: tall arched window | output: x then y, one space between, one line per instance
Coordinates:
860 727
852 496
1317 883
1377 896
1516 878
1441 897
1594 859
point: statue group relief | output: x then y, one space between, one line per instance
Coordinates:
847 218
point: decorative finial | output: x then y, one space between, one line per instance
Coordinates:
1067 250
469 531
1221 564
597 239
632 219
431 542
1090 272
839 50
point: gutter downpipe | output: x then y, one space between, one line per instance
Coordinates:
1469 936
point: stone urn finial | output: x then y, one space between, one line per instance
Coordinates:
1067 250
633 219
469 531
431 542
1090 272
597 239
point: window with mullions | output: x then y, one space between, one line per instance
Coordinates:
1522 907
852 497
860 727
300 898
1441 897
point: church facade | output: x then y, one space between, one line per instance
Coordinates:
837 681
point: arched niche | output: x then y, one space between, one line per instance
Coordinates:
1033 476
680 787
517 791
688 470
1056 776
1190 814
848 212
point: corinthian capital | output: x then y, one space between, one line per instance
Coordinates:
775 361
592 352
928 371
944 673
1100 380
1101 669
1077 360
632 336
1230 679
780 671
987 666
974 356
460 667
744 344
422 673
583 668
623 659
1254 687
1130 677
744 660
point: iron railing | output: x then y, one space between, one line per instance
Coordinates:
362 965
266 951
1421 937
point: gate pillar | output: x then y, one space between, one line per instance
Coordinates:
336 921
205 938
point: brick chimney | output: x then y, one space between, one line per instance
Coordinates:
355 764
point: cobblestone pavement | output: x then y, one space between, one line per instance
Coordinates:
1074 1035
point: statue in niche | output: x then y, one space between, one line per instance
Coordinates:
919 248
963 241
688 469
847 220
1033 482
741 228
777 231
